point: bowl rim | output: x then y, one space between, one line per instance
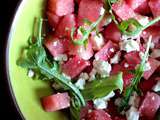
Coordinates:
7 48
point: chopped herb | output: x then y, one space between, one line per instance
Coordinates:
137 77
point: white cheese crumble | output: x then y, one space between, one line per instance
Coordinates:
156 87
102 10
66 76
98 42
147 66
115 59
61 57
132 114
92 74
101 103
141 55
84 76
129 45
30 73
126 65
134 100
155 53
102 67
80 83
143 21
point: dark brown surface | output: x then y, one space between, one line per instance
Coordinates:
7 109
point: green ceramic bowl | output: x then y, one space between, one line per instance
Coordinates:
26 91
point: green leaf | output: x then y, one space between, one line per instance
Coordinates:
137 77
86 32
102 87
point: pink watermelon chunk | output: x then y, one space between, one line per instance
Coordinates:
61 7
56 102
111 32
89 9
74 66
65 26
98 115
154 65
55 45
155 7
123 11
150 105
107 51
140 6
53 19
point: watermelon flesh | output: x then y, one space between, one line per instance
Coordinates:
61 7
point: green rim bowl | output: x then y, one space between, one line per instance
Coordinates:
26 91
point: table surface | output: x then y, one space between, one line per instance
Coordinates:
7 109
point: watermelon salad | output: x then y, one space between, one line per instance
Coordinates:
102 58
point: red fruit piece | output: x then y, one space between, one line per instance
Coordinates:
56 102
86 109
154 64
155 7
53 19
120 9
74 66
150 105
65 25
107 51
140 6
55 45
89 9
147 85
61 7
111 32
98 115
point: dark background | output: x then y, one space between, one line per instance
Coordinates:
7 108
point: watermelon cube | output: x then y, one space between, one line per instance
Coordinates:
107 51
74 66
123 10
155 7
55 45
61 7
154 64
150 105
98 115
65 26
89 9
140 6
111 32
56 102
53 19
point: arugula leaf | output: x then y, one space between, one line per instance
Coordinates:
102 87
35 58
138 75
86 32
124 26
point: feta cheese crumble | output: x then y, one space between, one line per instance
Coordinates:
129 45
98 42
126 65
80 83
61 57
147 66
102 67
132 114
115 58
101 103
30 73
134 100
156 88
102 10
